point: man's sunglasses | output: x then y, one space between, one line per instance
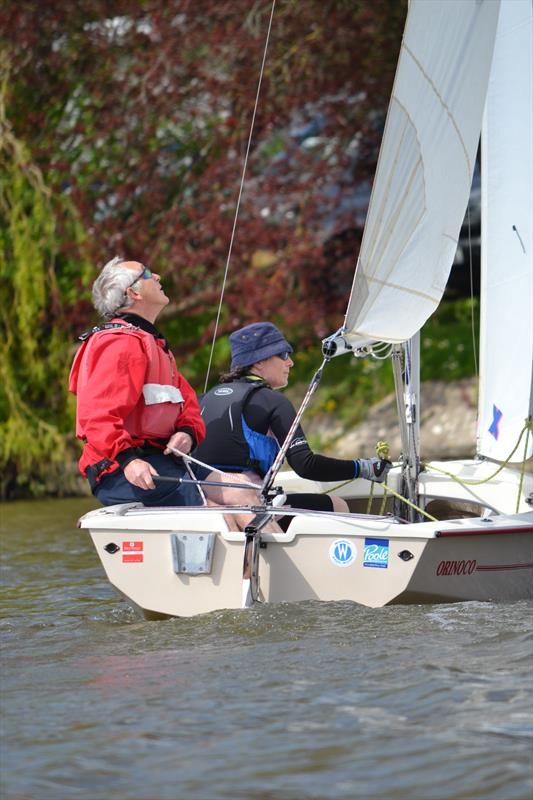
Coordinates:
145 274
284 356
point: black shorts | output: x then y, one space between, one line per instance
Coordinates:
313 502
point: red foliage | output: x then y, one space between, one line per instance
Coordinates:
141 111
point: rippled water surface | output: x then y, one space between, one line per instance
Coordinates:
291 701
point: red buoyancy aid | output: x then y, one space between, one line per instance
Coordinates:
167 401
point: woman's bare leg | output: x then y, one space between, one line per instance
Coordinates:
232 496
340 505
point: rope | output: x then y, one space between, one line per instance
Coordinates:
187 458
390 491
523 468
237 208
465 482
412 505
382 451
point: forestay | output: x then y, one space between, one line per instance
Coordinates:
506 335
425 169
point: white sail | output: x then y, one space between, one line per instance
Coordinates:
506 331
425 168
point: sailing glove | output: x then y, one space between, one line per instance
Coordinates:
372 469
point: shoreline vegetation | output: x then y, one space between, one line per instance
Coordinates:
43 292
448 425
353 408
69 201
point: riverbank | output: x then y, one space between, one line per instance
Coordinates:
447 425
447 431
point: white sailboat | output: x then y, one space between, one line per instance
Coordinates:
478 542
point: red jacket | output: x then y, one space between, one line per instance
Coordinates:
129 391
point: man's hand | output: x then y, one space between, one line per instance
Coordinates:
180 441
140 473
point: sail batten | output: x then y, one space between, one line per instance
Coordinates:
406 289
425 167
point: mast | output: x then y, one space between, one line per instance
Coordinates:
406 369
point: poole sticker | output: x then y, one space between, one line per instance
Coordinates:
376 553
342 553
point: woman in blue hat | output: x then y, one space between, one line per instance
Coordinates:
247 420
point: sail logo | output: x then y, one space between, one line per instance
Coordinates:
496 417
342 553
376 553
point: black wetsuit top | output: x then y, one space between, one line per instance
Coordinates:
267 410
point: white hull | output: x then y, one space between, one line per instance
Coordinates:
470 558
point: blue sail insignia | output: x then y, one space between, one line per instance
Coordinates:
496 417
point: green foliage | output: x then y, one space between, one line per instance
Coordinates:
130 120
349 386
447 347
35 412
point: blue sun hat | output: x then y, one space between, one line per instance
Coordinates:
256 342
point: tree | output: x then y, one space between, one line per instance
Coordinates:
125 129
141 112
35 352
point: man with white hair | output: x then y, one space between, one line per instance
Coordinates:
133 406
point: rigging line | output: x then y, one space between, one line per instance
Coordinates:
237 208
472 315
523 466
188 458
386 488
526 429
270 476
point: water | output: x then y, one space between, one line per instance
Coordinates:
292 701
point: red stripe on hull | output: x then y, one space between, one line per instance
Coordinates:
485 531
496 567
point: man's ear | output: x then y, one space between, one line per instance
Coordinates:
133 293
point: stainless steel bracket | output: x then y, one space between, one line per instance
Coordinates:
192 552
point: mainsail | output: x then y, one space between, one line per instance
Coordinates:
425 169
506 331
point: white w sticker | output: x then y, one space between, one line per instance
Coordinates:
342 553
